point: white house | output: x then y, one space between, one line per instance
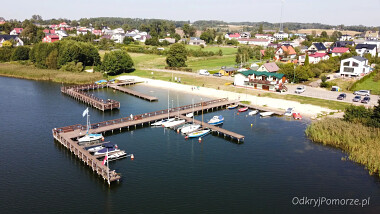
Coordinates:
338 51
317 47
118 31
16 39
259 42
230 36
260 80
314 58
196 41
281 35
363 49
354 66
265 36
345 37
118 38
61 34
16 31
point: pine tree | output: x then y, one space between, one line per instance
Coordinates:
306 60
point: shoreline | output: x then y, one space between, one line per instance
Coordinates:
306 110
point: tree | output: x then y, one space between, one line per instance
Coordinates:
306 63
324 34
52 60
116 62
7 44
261 29
177 37
5 54
219 40
128 40
188 30
20 53
177 56
208 36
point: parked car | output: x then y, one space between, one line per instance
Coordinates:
357 98
362 93
342 96
204 72
335 88
366 100
217 74
300 89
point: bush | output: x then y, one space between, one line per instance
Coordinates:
20 53
116 62
72 67
5 54
177 56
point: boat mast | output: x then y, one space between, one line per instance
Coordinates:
178 105
168 105
202 113
193 111
88 123
108 168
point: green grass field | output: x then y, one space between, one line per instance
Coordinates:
368 84
226 50
210 63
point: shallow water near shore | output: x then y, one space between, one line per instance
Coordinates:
169 174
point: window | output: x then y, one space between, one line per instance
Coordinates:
346 63
354 64
350 70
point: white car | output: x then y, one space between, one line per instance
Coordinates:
204 72
362 93
300 89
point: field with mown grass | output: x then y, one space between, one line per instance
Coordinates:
215 49
369 84
361 143
33 73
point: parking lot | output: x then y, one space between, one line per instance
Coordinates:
329 95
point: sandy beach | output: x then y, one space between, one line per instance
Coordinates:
306 110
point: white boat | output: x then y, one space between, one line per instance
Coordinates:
254 112
159 123
190 128
199 133
109 150
89 137
174 123
191 114
266 114
289 112
117 155
99 147
216 120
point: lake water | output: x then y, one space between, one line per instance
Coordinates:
169 174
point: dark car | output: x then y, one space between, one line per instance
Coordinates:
366 100
342 96
357 98
217 74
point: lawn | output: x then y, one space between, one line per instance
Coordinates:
210 63
226 50
148 60
368 84
344 84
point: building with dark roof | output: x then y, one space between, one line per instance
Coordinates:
354 67
363 49
317 47
342 44
15 38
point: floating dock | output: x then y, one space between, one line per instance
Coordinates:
79 93
67 135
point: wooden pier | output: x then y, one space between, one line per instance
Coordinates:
67 135
218 130
79 92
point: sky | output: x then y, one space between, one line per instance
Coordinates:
334 12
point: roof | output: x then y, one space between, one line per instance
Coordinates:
235 35
317 55
319 45
340 50
8 37
289 49
359 58
230 69
254 40
366 46
271 67
343 43
261 73
18 30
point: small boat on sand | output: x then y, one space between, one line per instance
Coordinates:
297 116
254 112
266 114
232 106
243 109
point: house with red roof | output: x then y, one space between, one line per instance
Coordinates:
2 22
338 51
313 58
97 32
49 31
230 36
16 31
285 51
50 38
258 42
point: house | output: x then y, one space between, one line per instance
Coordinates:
83 30
63 25
260 80
345 37
259 42
230 36
227 71
245 35
303 49
269 67
118 38
313 58
354 67
196 41
317 47
51 38
281 35
363 49
371 35
285 51
17 41
374 42
97 32
118 31
265 36
337 51
343 44
61 33
49 31
297 42
328 44
16 31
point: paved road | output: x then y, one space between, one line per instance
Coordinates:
309 92
328 95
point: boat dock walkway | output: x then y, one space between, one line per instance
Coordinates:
79 92
261 108
217 129
67 135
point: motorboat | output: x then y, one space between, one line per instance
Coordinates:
199 133
98 147
254 112
173 123
190 128
243 109
108 148
190 115
117 155
297 116
216 120
90 137
266 114
159 123
232 106
289 112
